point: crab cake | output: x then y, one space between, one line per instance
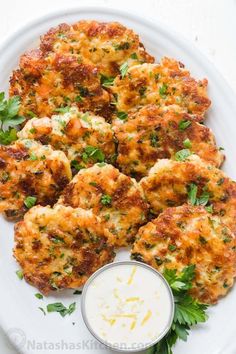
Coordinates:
173 183
84 137
105 45
153 133
116 198
30 173
61 247
162 84
46 84
189 235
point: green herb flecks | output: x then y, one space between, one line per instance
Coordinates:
30 201
182 155
184 124
106 199
60 308
107 81
20 275
94 153
122 115
163 90
123 69
192 195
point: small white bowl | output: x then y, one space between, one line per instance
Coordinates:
106 343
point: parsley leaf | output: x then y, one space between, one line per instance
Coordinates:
94 153
188 311
106 199
107 81
122 115
9 118
59 307
192 196
182 155
30 201
184 124
163 90
123 69
20 275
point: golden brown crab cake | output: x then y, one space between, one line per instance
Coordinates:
30 173
61 247
111 195
105 45
189 235
163 84
173 183
154 133
46 84
84 137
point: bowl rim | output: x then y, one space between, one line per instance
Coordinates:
113 265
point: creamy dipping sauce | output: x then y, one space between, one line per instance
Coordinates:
127 305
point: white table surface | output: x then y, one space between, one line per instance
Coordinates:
210 24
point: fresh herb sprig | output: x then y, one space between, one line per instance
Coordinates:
188 311
9 118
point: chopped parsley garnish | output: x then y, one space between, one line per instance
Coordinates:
9 118
62 109
33 157
163 90
142 91
172 248
107 217
30 201
187 143
38 296
60 308
182 155
57 239
134 56
106 81
122 46
94 184
77 292
78 98
209 208
75 164
123 69
184 124
20 275
122 115
192 193
192 196
154 139
106 199
188 311
94 153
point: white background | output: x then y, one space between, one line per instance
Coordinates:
210 24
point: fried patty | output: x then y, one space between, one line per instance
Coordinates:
105 45
173 183
189 235
154 133
61 247
162 84
29 169
116 198
47 83
84 137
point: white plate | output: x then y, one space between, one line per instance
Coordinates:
24 323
